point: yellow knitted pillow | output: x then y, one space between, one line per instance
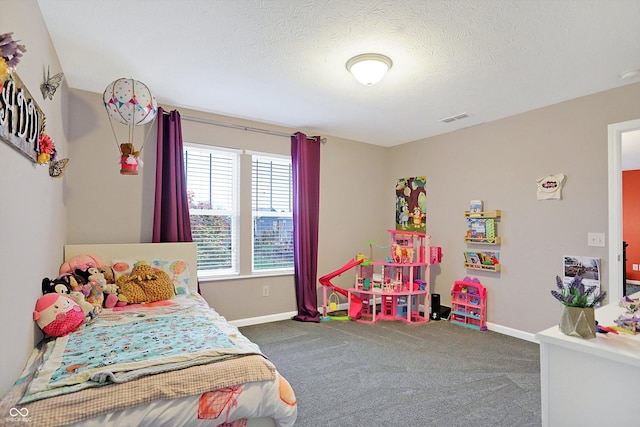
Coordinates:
145 285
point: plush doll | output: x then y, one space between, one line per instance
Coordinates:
50 286
145 284
88 309
75 283
82 262
57 315
95 281
108 274
111 290
129 160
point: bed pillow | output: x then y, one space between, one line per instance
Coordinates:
145 284
178 270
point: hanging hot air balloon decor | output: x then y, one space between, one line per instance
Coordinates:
131 103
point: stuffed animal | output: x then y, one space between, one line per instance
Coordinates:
51 286
82 262
129 160
88 309
111 291
75 283
57 315
108 274
95 281
145 284
127 149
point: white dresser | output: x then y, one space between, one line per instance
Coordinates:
593 382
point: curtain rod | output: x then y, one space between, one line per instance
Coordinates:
240 127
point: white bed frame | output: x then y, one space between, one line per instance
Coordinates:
169 251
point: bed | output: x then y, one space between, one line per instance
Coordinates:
166 363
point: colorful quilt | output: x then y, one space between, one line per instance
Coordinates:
134 343
144 355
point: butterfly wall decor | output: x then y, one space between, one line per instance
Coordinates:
50 85
57 167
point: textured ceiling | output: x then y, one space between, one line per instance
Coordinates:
283 61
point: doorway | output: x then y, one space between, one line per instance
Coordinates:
617 131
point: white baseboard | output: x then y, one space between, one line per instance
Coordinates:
516 333
633 282
263 319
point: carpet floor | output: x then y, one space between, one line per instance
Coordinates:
393 374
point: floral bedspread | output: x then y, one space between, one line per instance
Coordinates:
122 345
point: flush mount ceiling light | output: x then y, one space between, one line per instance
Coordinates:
631 74
369 68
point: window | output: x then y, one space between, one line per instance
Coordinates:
272 209
213 206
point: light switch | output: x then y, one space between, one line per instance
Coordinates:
595 239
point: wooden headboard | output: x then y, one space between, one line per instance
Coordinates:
142 251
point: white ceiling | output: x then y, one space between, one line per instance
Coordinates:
283 61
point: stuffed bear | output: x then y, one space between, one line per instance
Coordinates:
129 160
145 284
57 315
51 286
127 148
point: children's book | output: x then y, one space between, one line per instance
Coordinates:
475 207
490 257
482 229
472 257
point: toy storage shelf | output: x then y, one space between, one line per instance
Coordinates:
483 267
481 230
482 241
491 214
469 305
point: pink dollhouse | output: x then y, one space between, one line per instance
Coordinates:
400 284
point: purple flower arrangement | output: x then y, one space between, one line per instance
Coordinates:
576 294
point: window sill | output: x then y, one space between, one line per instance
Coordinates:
215 278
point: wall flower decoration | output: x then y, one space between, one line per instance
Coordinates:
46 149
10 54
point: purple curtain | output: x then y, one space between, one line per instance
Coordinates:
171 213
305 165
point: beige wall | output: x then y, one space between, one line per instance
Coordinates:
499 163
33 205
106 207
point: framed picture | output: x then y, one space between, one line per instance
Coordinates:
21 119
411 204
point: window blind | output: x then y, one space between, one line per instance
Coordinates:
272 208
212 190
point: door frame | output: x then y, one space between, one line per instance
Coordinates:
615 131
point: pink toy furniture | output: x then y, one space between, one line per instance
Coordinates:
403 282
469 304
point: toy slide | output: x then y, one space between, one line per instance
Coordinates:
325 281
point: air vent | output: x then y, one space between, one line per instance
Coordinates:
454 118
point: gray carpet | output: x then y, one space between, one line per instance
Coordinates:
393 374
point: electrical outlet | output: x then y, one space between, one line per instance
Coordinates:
265 290
635 267
595 239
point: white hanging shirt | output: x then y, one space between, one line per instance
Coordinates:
550 187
